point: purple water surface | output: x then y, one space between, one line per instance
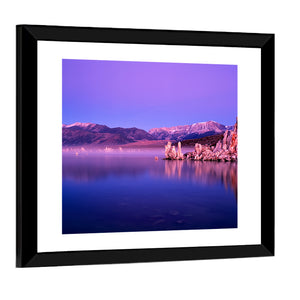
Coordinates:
122 192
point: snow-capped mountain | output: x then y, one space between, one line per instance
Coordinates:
89 133
77 134
185 132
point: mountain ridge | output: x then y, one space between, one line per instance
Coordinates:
89 133
78 133
184 132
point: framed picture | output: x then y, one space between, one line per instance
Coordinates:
138 145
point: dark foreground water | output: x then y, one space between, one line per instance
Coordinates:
118 192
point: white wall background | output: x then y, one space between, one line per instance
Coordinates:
253 278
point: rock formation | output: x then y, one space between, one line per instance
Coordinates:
225 149
179 153
170 151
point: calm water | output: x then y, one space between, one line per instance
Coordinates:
118 192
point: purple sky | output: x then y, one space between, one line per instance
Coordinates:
147 94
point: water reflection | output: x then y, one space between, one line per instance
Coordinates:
205 172
93 168
130 192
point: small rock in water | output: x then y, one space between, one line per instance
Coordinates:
180 221
158 221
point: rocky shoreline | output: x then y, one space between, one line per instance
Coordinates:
225 149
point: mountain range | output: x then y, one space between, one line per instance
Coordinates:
78 134
187 132
88 133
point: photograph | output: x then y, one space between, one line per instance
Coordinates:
148 146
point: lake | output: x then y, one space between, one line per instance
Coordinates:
122 191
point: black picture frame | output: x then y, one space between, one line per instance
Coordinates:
27 103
